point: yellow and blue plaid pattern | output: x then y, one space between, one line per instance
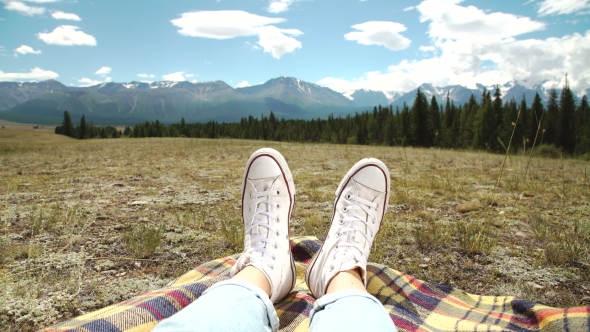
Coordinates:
413 305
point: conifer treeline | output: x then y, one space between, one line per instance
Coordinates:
84 130
485 124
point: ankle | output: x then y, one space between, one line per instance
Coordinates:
346 280
255 277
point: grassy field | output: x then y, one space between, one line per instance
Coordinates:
85 224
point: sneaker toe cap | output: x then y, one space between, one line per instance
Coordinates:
264 167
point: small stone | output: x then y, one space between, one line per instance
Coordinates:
501 212
521 234
423 266
427 259
203 191
24 185
135 203
538 286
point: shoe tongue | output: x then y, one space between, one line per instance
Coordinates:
264 184
369 194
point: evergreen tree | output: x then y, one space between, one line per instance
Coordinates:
550 136
67 125
82 130
498 114
435 120
484 131
584 125
537 116
567 107
421 131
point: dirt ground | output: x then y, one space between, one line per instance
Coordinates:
85 224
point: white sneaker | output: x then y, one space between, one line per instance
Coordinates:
268 196
360 204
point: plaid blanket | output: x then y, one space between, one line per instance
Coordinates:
413 305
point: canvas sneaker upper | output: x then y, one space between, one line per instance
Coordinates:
268 196
359 206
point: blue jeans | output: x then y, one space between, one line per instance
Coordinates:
235 305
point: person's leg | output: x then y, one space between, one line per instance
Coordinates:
337 274
265 272
224 306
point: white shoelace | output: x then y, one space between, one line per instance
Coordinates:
352 226
260 244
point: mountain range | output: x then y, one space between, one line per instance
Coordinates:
168 101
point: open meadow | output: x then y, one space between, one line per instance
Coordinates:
85 224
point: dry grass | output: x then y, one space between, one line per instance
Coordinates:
69 209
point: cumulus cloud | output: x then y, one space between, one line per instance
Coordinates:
450 21
560 7
36 74
177 77
381 33
243 84
88 82
59 15
24 49
472 46
226 24
67 35
23 8
42 1
424 48
279 6
144 75
103 71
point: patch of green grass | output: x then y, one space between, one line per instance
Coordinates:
143 240
475 237
233 232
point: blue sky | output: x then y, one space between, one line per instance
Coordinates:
343 44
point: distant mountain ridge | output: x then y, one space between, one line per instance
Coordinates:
169 101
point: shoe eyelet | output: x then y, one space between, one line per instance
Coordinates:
341 222
277 233
331 268
250 209
377 207
278 220
276 246
347 196
278 206
273 257
271 267
337 245
338 234
250 194
344 209
278 192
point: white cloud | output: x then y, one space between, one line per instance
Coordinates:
24 49
243 84
279 6
59 15
67 35
189 75
228 24
471 46
558 7
88 82
449 21
36 74
427 48
42 1
23 8
145 75
382 33
103 71
407 9
177 77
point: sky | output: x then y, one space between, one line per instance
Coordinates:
345 45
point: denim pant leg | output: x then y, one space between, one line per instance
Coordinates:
349 310
230 305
